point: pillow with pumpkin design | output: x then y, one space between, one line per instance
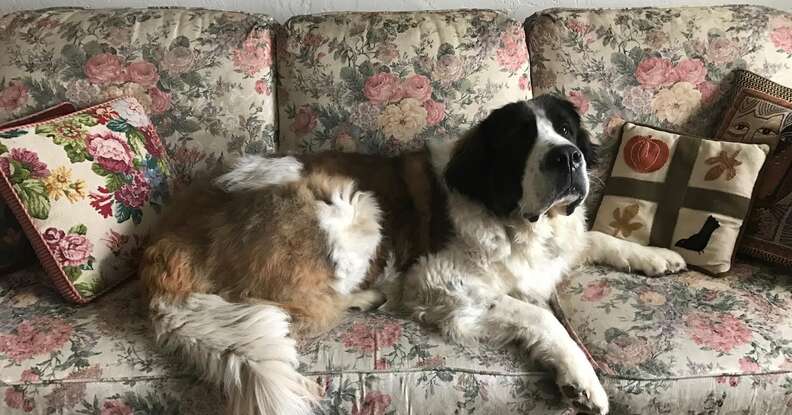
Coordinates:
688 194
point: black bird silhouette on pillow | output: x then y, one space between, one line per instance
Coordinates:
700 240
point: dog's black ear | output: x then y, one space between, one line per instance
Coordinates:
488 164
468 169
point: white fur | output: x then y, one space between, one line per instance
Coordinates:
628 256
243 347
351 224
252 172
493 281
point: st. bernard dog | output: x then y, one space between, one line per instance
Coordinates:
478 231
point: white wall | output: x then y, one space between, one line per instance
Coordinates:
283 9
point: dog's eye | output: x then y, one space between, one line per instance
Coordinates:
564 130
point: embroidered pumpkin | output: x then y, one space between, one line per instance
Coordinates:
645 154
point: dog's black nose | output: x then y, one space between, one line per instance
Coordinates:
565 157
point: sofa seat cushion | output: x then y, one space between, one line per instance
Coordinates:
386 82
58 358
675 340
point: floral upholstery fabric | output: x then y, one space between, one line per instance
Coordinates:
679 343
57 358
87 187
385 82
669 68
205 77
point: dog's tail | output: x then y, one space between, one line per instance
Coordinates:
244 348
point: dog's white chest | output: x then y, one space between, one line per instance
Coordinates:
531 269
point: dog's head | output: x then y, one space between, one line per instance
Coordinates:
524 159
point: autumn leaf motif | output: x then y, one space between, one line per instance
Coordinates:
622 220
723 163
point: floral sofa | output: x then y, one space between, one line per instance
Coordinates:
222 84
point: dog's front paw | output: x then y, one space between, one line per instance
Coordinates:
583 390
653 262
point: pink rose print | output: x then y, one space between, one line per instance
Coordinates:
782 38
115 407
578 27
748 365
29 375
418 87
33 337
374 403
382 88
255 54
367 339
105 68
53 236
69 250
160 100
691 70
388 335
579 100
710 91
143 73
718 331
359 337
524 83
13 96
262 88
110 150
596 290
513 53
655 72
136 193
732 381
304 121
435 112
16 399
28 159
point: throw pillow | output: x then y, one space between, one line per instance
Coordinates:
761 112
15 250
86 188
680 192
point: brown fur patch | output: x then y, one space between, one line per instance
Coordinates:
266 245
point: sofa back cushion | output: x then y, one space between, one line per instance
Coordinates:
386 82
670 68
205 77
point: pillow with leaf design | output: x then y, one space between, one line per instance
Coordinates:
680 192
86 188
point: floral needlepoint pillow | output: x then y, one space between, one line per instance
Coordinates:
15 250
86 188
680 192
761 112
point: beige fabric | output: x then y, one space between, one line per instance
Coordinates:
386 82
